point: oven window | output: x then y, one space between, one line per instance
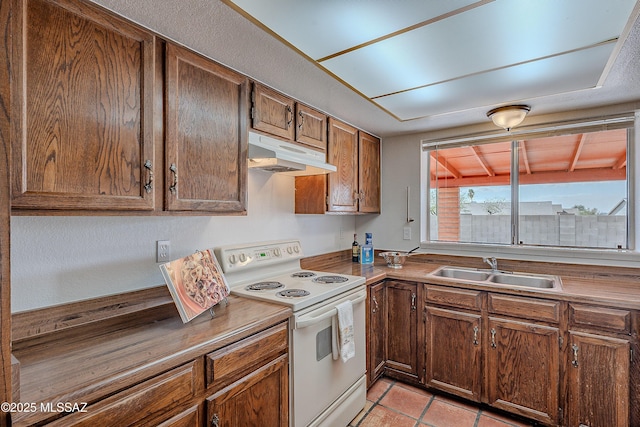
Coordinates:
323 343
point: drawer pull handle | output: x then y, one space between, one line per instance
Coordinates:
493 338
289 117
413 302
475 335
174 170
149 184
575 348
215 420
301 119
375 304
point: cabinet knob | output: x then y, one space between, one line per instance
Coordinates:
215 420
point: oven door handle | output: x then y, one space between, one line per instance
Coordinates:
305 321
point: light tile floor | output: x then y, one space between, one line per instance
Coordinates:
391 403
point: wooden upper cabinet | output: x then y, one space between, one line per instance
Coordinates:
355 186
277 114
206 134
273 112
342 151
311 127
369 173
82 100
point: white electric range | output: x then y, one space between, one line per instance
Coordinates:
324 390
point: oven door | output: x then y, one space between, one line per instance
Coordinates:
323 386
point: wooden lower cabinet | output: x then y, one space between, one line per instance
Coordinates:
245 383
402 330
598 374
453 358
523 368
377 332
259 399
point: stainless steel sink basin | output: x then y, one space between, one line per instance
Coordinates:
521 280
491 277
462 274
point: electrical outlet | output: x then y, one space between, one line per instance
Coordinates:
163 251
406 233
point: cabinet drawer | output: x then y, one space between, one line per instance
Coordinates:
600 317
144 402
454 297
528 308
236 360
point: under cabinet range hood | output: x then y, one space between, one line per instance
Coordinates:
273 155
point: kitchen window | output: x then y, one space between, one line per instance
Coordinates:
562 187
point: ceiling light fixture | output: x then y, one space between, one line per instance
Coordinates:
509 116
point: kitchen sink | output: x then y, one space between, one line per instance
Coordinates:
491 277
462 273
529 281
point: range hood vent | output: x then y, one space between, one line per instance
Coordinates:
276 156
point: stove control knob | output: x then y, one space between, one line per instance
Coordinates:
277 252
296 249
289 250
243 257
232 259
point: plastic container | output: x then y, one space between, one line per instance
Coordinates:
366 250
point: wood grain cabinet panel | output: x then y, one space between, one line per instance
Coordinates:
259 399
206 148
453 342
377 332
523 368
403 331
273 112
311 127
231 362
82 102
598 381
145 402
342 152
355 186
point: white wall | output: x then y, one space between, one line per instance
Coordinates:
400 169
55 260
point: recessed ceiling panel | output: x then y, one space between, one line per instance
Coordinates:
574 71
320 28
416 58
495 35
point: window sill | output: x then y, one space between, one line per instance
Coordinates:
612 257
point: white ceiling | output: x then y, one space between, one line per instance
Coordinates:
404 66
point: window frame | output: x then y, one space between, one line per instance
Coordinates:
622 257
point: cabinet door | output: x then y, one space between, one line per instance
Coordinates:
311 127
82 102
272 112
377 330
369 173
402 332
598 376
259 399
523 368
342 151
453 352
206 132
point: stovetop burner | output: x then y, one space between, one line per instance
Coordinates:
293 293
303 274
262 286
330 279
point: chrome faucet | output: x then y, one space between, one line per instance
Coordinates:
493 263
